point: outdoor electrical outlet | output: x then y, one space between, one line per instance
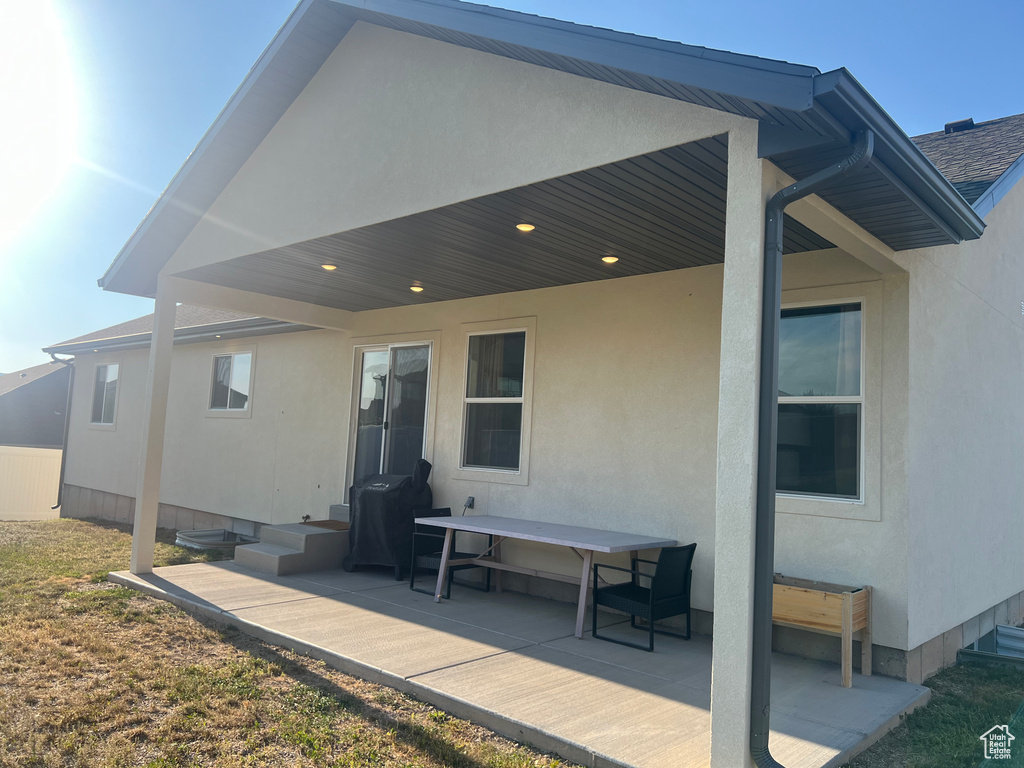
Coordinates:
470 501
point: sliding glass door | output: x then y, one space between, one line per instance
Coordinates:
392 413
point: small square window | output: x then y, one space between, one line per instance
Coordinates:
232 379
104 394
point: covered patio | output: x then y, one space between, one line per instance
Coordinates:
369 179
510 662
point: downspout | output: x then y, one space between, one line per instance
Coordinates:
67 425
768 417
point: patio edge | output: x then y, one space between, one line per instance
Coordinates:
505 726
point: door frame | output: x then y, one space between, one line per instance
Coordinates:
429 339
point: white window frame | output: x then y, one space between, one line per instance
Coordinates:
874 331
231 413
360 350
112 424
837 400
520 476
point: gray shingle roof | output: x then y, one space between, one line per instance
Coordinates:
975 158
11 381
186 316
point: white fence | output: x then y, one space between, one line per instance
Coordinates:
28 482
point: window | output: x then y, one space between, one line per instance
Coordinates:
232 380
104 394
392 412
821 401
493 405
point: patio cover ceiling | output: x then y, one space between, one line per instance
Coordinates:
899 197
656 212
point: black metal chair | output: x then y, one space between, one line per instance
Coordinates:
667 595
427 543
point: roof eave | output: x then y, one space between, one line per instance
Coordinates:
848 101
107 281
226 331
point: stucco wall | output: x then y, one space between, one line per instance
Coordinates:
283 460
343 155
967 423
624 423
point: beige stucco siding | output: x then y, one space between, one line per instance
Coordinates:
624 411
282 460
967 424
395 124
100 456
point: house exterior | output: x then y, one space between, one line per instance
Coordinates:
32 407
536 251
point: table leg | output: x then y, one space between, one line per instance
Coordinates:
445 550
497 557
581 608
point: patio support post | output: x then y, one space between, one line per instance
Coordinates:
747 193
147 495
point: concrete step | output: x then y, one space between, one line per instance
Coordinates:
291 535
269 558
294 548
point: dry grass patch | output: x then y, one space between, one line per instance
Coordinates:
92 674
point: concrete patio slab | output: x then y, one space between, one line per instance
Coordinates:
380 634
511 663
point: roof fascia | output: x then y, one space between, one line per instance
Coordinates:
234 329
166 197
898 157
779 83
1000 187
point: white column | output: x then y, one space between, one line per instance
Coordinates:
147 494
737 451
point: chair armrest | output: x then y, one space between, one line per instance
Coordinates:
612 568
641 560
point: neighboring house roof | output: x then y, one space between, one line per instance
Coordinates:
12 381
191 323
974 156
32 405
810 116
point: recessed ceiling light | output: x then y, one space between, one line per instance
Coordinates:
609 259
525 227
218 335
328 267
416 288
95 350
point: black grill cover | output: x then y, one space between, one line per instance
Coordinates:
381 513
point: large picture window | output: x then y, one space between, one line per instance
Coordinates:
232 380
821 401
104 394
493 404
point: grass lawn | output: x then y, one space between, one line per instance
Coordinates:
92 674
966 701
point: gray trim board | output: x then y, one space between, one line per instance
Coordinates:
235 329
990 199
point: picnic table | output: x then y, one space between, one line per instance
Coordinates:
583 541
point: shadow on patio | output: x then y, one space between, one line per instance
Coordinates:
510 662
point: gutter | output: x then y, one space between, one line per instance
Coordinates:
234 329
768 418
840 94
67 427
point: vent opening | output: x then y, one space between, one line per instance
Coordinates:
960 125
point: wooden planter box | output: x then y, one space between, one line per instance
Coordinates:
831 609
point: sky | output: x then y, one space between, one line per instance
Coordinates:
110 96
